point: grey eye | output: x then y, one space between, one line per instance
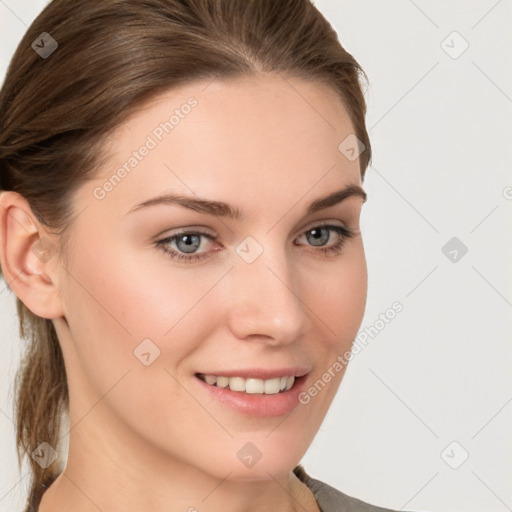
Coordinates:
192 242
317 237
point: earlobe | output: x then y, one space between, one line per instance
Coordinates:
28 257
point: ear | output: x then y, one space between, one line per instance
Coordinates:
29 257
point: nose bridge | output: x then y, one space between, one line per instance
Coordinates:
265 298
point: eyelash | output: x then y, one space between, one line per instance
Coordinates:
344 233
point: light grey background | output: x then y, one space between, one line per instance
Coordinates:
439 372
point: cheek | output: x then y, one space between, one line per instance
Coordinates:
112 306
338 297
116 302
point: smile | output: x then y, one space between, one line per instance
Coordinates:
250 385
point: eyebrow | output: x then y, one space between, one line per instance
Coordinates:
221 209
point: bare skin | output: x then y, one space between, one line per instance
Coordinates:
150 437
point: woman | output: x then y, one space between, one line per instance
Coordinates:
181 191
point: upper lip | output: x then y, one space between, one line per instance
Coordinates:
260 373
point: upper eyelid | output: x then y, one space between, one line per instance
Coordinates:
206 231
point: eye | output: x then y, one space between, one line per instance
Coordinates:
319 239
187 242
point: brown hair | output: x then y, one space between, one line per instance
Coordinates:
112 56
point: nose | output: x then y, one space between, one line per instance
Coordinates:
266 305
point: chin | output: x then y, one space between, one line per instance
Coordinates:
263 459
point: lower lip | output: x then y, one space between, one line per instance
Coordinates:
258 404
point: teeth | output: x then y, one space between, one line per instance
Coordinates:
237 384
222 382
271 386
210 379
251 386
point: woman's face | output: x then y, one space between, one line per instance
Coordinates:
268 295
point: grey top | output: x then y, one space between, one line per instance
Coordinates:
330 499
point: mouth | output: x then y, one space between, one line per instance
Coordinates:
250 385
259 393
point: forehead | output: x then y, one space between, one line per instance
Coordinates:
254 135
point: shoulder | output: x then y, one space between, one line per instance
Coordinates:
330 499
